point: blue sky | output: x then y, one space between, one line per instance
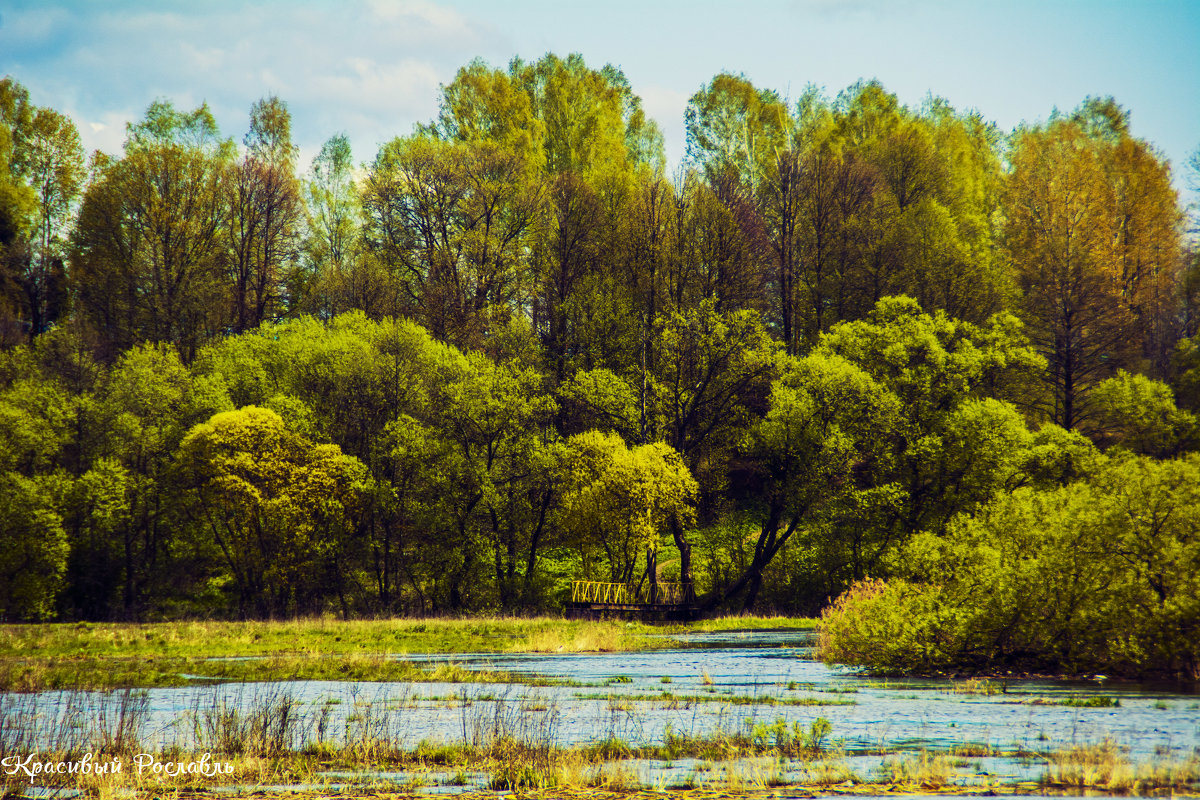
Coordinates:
371 68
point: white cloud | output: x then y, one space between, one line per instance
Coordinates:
370 68
442 19
106 133
33 26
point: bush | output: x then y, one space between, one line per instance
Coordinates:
1097 576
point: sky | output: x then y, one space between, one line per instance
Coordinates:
372 68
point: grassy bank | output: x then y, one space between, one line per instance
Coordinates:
107 655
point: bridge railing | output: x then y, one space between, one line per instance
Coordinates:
600 593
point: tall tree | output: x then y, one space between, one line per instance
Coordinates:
41 175
451 221
325 286
735 128
1092 233
275 505
264 215
147 252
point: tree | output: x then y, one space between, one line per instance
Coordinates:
17 204
495 487
451 222
619 499
486 105
886 429
144 406
712 370
41 174
1095 576
567 251
594 124
147 251
1091 232
827 420
276 506
33 557
1140 414
265 215
55 168
34 429
723 247
734 128
326 285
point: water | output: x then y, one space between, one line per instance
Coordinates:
729 681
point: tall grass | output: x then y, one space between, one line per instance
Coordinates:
272 736
1107 767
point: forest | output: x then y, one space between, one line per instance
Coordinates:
937 379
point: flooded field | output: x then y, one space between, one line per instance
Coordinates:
763 686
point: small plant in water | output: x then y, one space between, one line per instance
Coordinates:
1099 701
976 686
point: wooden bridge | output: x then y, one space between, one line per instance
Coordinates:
594 598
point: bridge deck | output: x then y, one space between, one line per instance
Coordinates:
595 598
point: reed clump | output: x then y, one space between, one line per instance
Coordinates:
1107 767
924 770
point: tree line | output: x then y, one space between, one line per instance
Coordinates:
511 350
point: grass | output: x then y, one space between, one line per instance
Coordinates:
1106 767
269 736
982 686
921 771
106 672
109 655
332 636
672 700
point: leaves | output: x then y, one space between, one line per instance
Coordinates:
274 503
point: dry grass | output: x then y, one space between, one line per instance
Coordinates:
104 655
1106 767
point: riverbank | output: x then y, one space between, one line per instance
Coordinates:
145 655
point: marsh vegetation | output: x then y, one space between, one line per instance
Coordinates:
742 711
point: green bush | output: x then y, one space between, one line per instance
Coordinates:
1102 575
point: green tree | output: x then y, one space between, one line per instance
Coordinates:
620 499
275 505
265 213
144 406
826 421
147 251
41 174
1091 229
733 127
888 428
594 124
34 429
326 284
54 162
483 104
1094 576
452 222
1139 414
33 557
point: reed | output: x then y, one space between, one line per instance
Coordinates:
1107 767
268 736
